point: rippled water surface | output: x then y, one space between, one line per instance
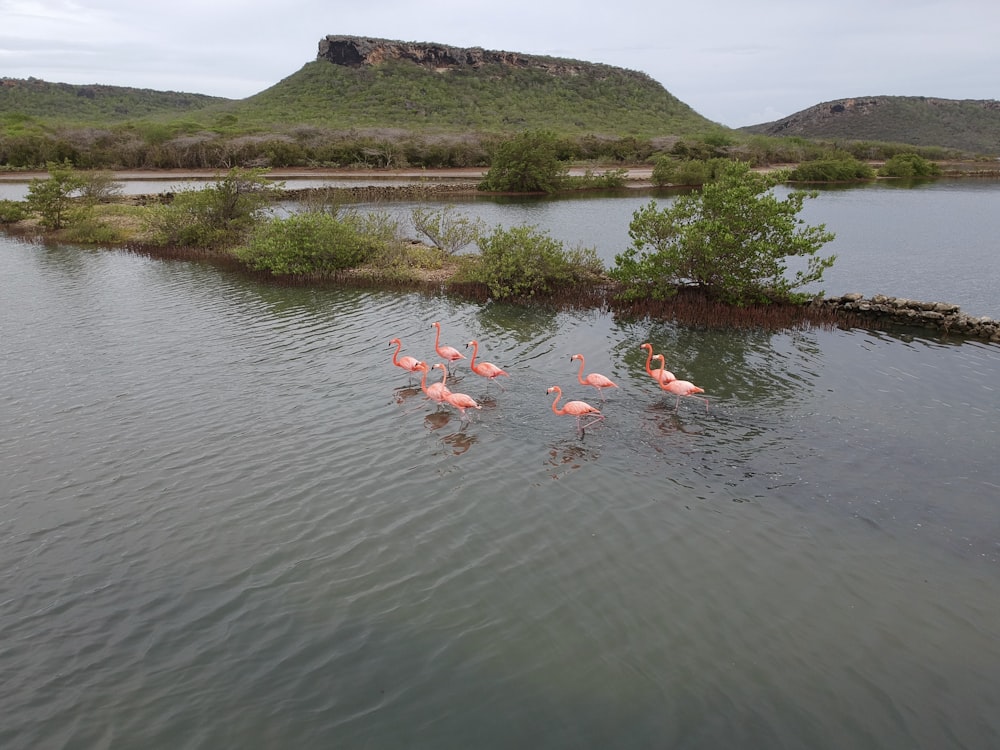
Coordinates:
226 520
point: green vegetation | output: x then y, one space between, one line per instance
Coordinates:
670 170
488 99
52 198
527 163
730 240
219 214
525 262
958 126
12 212
308 244
841 168
909 165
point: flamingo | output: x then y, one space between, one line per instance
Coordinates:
449 353
462 401
405 362
487 369
594 379
436 391
681 388
661 375
575 408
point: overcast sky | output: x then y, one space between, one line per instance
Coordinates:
733 61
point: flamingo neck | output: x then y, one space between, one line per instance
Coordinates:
554 409
579 375
475 351
395 354
649 358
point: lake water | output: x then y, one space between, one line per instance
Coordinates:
226 520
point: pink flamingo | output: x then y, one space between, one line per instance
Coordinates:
487 369
436 391
661 375
449 353
594 379
406 362
575 408
462 401
681 388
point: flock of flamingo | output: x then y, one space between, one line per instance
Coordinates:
441 394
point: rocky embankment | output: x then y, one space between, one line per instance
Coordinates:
941 316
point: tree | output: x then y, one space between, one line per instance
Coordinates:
52 198
445 228
527 163
219 214
730 239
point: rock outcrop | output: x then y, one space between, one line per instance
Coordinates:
941 316
356 51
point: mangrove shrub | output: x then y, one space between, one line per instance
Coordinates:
308 243
730 239
527 163
524 261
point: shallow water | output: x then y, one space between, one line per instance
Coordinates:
227 520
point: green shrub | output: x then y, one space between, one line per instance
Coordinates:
527 163
52 198
524 262
607 180
220 214
909 165
839 169
730 239
308 243
673 171
12 212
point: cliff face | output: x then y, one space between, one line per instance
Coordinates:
356 51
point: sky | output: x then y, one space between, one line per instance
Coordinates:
733 61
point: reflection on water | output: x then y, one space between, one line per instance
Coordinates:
227 519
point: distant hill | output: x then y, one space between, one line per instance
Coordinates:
968 125
429 87
92 104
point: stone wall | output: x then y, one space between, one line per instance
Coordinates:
940 316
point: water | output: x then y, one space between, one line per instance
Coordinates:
226 520
933 241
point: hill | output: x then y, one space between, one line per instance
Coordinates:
359 82
969 125
94 104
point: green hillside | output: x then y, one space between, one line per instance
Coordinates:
57 103
972 126
492 98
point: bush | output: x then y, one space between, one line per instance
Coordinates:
731 239
671 171
842 169
52 198
12 212
524 262
527 163
446 228
220 214
100 186
606 180
308 243
909 165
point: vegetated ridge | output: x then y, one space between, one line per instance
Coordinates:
33 98
430 87
971 125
